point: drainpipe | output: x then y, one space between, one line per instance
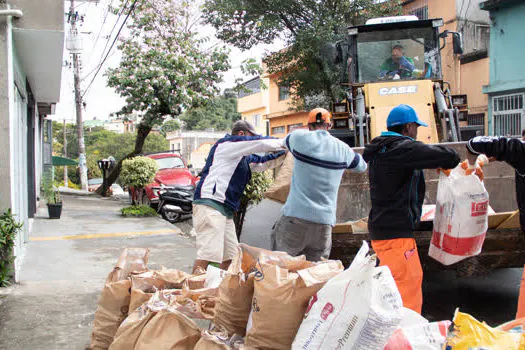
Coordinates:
12 12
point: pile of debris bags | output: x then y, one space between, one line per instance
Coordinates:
258 303
270 300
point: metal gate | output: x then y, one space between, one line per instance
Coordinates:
509 114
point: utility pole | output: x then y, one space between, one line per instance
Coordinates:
73 17
66 179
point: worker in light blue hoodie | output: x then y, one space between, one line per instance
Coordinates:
307 217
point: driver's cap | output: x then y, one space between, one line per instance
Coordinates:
403 114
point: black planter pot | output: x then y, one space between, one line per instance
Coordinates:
54 210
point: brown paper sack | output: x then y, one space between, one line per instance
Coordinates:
170 330
196 303
236 290
144 285
129 331
280 300
280 187
113 304
131 260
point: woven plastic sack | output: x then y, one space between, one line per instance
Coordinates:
358 309
461 219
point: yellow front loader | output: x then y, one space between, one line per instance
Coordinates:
375 82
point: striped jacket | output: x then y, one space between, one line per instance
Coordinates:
320 161
230 164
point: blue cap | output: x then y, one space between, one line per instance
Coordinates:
403 114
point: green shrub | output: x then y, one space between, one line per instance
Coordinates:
137 172
138 211
8 230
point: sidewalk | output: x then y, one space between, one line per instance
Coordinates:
66 263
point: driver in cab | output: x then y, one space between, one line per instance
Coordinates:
398 64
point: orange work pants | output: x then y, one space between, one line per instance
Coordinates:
521 298
401 256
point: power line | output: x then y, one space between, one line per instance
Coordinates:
103 23
465 16
96 67
115 25
112 45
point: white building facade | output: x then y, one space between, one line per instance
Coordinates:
31 47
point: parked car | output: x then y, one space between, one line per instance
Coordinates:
95 183
172 172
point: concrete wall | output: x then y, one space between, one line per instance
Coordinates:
41 14
199 156
250 103
277 106
507 45
5 122
286 121
470 10
250 117
473 76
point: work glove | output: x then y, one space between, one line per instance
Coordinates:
475 168
404 63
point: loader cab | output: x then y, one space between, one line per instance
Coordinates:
374 50
390 61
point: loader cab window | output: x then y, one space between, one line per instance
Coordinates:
404 54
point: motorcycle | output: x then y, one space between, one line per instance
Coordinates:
175 204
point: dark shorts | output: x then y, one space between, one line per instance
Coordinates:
297 236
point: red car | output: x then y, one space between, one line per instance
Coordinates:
172 171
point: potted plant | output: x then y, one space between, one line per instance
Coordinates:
52 196
54 205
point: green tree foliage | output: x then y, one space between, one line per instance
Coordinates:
252 195
106 143
100 143
219 113
310 30
169 126
165 67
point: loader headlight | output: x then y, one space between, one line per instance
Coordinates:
437 23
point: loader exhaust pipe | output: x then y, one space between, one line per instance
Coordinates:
361 114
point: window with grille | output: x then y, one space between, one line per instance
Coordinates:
508 114
421 13
292 127
256 120
278 130
284 93
250 87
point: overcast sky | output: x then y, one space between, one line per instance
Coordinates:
101 100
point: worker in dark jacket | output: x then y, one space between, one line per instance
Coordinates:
511 151
397 190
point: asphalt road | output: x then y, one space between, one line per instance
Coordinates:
491 298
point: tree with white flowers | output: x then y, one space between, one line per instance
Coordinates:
310 29
166 66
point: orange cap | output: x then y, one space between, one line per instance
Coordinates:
318 116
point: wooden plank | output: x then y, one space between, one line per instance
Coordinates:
512 222
496 219
503 248
359 226
344 227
